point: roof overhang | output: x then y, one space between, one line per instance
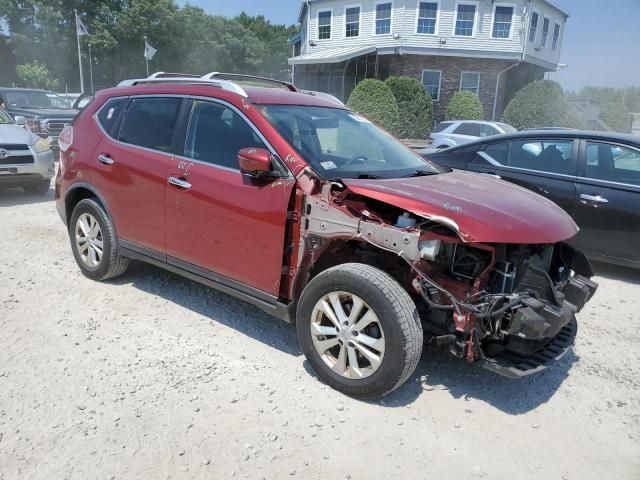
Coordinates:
331 55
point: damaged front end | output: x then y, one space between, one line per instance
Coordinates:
508 306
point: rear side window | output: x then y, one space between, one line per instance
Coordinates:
613 163
111 114
472 129
441 126
542 155
149 122
488 130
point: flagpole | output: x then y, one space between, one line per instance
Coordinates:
90 67
146 60
79 55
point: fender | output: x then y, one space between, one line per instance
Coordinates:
76 186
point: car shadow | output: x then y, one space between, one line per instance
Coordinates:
11 197
437 370
617 272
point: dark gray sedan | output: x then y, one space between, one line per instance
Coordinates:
594 176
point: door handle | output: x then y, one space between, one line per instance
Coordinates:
107 160
593 198
183 184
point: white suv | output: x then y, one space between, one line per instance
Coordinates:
456 132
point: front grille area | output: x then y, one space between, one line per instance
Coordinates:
54 127
17 160
14 146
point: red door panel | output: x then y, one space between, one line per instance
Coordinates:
228 223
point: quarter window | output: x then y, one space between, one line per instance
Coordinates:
465 20
556 36
502 19
470 82
542 155
324 25
352 21
110 116
383 18
545 32
216 135
533 27
149 122
431 82
613 163
427 17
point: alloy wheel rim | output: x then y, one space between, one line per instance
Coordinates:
347 335
89 240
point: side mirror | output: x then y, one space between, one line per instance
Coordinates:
255 162
20 120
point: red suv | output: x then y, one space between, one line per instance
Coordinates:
292 202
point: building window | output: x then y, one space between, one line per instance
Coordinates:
545 32
502 19
556 36
431 82
324 25
465 20
470 82
533 27
383 18
427 18
352 21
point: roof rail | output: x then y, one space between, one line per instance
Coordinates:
241 76
163 77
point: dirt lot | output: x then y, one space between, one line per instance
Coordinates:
154 376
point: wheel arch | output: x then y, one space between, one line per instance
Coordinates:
80 191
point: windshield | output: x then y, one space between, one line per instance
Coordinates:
25 99
338 143
4 118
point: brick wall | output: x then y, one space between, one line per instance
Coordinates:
412 65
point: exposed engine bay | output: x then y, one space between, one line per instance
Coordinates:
476 299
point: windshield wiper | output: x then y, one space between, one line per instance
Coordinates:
370 176
419 173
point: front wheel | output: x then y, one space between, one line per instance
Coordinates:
359 330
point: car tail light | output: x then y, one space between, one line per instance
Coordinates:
65 139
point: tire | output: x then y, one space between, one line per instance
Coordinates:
110 264
39 188
398 326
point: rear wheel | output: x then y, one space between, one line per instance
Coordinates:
39 188
94 243
359 330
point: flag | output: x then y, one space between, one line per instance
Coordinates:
82 30
149 51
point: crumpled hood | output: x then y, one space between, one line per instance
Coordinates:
480 207
14 134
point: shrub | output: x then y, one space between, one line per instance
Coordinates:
464 106
538 104
414 105
374 100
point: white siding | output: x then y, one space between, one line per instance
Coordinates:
546 54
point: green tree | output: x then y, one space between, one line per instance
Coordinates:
464 106
374 100
36 75
615 115
538 104
414 105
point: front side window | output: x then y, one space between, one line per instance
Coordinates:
465 20
470 82
613 163
427 18
338 143
216 135
324 25
111 115
502 19
488 130
556 37
545 32
149 122
533 27
383 18
431 83
352 21
541 155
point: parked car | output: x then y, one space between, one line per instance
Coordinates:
452 133
25 159
38 110
593 176
296 204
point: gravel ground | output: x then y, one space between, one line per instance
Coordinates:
155 376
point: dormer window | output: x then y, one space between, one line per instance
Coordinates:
465 20
383 18
352 22
324 25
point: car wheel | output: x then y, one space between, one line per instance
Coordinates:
94 243
39 188
359 330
